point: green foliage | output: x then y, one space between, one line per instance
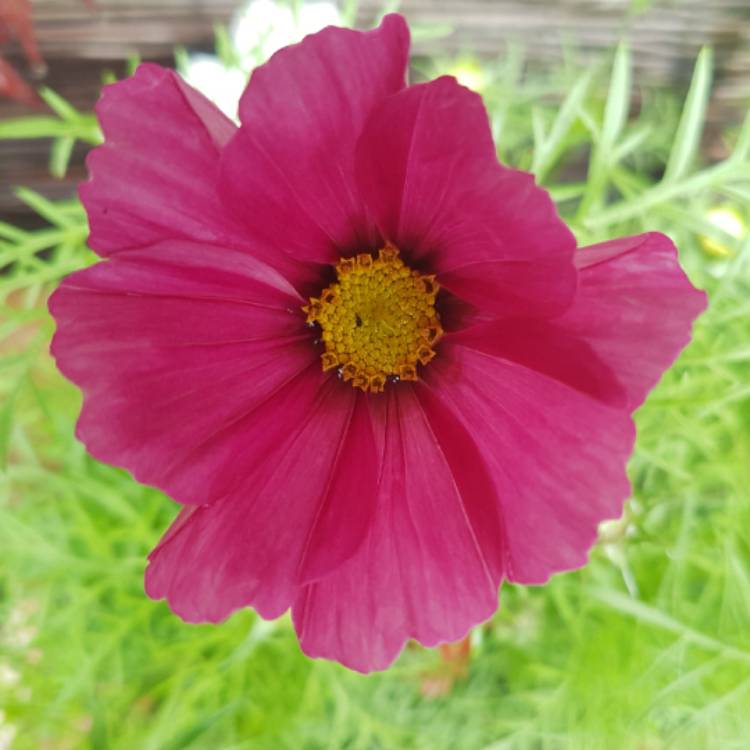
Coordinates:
647 648
67 127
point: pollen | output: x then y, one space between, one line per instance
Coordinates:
378 320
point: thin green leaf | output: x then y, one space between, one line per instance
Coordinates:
431 32
618 99
710 178
631 143
44 207
181 59
548 151
6 422
225 49
108 77
742 148
59 156
132 63
538 129
11 233
32 127
687 138
58 105
615 117
644 612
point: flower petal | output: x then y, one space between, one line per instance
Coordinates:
433 559
288 172
634 307
427 168
630 319
550 349
174 348
155 176
556 455
274 529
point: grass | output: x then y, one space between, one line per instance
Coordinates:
646 648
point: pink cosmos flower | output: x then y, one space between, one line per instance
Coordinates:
366 357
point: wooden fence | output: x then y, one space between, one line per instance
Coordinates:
665 34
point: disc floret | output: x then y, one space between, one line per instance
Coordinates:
378 320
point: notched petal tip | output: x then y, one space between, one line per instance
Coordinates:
395 25
380 54
380 661
292 159
636 306
155 176
400 585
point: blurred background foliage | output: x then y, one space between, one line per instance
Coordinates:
647 648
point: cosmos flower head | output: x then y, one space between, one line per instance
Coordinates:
368 359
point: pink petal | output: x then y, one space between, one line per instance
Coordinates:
344 518
556 455
273 528
288 173
433 559
550 349
634 307
630 319
427 168
175 348
155 176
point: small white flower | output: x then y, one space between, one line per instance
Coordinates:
222 85
258 30
263 26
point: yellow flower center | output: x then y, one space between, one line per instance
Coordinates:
378 320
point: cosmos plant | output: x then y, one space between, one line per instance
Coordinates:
368 359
